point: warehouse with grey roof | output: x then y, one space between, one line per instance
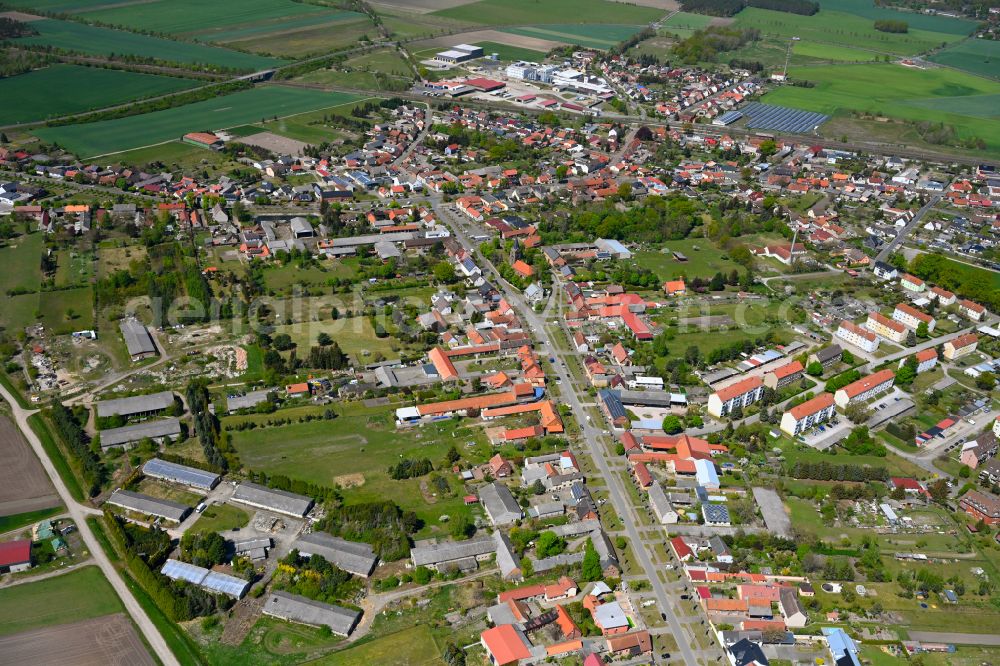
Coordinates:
137 405
356 558
182 474
149 506
295 608
462 555
126 436
278 501
137 339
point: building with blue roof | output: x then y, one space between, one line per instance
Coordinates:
842 647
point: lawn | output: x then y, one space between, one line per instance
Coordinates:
21 259
355 335
94 40
511 53
704 260
532 12
10 523
192 16
66 310
896 91
596 36
67 598
221 518
843 28
182 156
62 90
361 441
73 268
111 136
411 647
977 56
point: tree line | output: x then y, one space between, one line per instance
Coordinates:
825 471
70 430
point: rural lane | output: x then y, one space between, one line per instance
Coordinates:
79 514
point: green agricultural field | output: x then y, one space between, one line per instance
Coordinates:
61 6
687 21
930 22
121 134
591 36
511 53
62 90
410 647
310 41
978 56
196 16
360 441
283 26
22 262
838 27
67 598
387 61
532 12
221 518
94 40
831 52
897 92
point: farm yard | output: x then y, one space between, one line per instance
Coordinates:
24 486
530 12
112 136
360 442
62 90
94 40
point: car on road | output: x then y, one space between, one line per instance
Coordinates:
685 597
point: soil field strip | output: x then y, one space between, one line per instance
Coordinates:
24 485
98 642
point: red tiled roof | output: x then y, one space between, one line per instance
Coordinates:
822 401
739 388
869 382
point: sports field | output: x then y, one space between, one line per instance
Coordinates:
845 29
62 90
590 35
532 12
936 95
248 106
94 40
978 56
79 595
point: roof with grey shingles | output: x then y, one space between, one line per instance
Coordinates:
506 558
150 506
189 476
137 338
438 553
137 404
500 505
306 611
279 501
133 433
356 558
251 399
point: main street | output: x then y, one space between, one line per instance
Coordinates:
591 436
79 513
905 231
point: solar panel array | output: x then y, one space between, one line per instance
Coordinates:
729 117
782 118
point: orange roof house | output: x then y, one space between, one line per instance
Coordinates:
523 269
445 368
566 624
674 287
505 645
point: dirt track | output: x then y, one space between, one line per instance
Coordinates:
104 641
24 485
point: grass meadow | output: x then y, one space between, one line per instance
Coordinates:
61 90
67 598
248 106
